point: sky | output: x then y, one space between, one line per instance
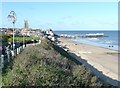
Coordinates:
60 0
62 15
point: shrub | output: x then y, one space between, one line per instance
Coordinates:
43 65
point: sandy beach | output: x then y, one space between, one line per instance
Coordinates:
103 59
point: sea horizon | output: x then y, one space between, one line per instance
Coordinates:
110 42
88 30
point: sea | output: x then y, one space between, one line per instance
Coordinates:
111 41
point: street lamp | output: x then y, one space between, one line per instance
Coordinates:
12 18
23 37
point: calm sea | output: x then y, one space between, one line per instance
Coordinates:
110 42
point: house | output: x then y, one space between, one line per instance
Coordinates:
2 30
9 31
49 32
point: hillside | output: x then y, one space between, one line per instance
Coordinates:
43 65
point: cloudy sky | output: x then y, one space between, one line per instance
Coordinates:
63 15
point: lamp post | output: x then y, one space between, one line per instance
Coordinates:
23 38
12 18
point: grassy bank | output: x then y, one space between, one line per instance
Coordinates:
48 65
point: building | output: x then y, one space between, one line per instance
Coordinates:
8 31
3 30
25 31
25 24
49 32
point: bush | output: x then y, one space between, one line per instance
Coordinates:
43 65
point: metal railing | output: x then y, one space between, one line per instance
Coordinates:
7 58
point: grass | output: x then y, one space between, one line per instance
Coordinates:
6 38
44 65
27 38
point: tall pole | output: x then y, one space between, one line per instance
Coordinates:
13 36
12 17
23 37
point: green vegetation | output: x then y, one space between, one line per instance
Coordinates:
18 38
5 38
27 38
43 65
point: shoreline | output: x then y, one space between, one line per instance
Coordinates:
103 59
95 46
115 51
